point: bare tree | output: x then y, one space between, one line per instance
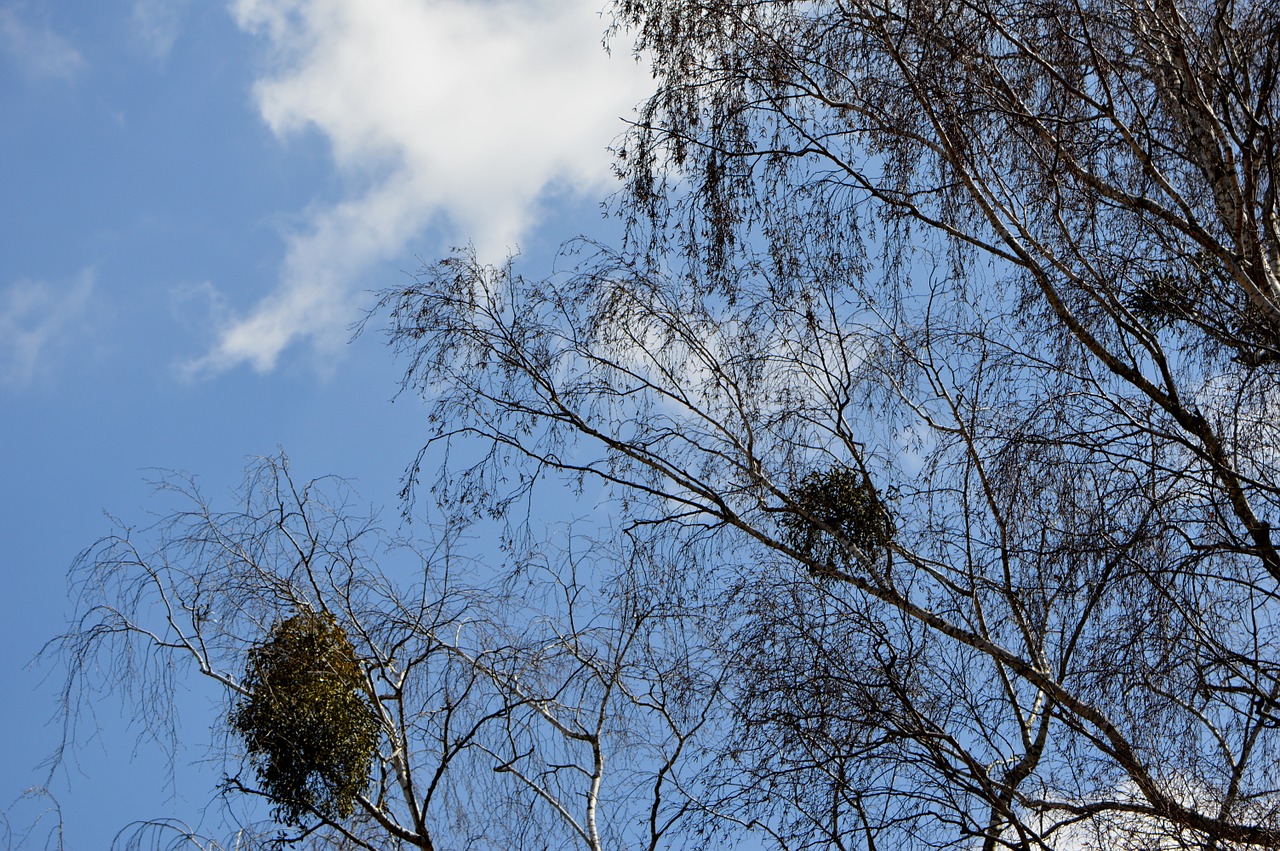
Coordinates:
944 341
379 695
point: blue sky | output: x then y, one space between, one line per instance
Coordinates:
195 202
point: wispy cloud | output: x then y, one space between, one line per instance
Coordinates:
457 113
158 23
37 50
37 320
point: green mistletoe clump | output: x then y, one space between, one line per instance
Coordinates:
310 731
837 520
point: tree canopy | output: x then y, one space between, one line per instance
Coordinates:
932 394
1017 264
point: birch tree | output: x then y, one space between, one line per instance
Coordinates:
944 339
381 695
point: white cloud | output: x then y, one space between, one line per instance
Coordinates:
37 50
460 113
158 23
36 320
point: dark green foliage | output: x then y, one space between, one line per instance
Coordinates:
1163 299
311 733
1200 293
838 520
